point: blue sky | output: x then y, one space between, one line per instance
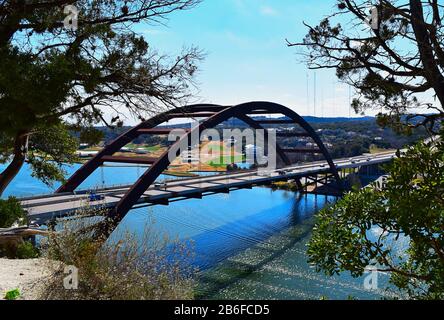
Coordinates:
247 57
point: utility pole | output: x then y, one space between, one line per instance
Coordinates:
322 102
314 94
308 94
349 101
334 97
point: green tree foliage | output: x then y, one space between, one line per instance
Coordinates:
49 149
51 74
26 250
12 294
368 227
390 57
10 212
90 136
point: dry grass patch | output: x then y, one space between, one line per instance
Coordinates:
132 268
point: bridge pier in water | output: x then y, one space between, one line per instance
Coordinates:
325 184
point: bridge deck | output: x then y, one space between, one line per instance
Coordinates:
43 208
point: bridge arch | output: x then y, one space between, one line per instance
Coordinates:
214 115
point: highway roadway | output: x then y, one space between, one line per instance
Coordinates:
41 209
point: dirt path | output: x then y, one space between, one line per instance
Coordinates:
24 275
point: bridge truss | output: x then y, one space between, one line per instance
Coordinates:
211 116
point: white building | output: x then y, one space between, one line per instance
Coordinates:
254 153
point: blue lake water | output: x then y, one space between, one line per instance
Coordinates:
249 244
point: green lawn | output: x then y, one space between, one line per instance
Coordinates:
226 160
145 147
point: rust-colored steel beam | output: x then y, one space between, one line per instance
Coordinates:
129 160
275 121
162 164
160 132
262 112
88 168
216 115
192 115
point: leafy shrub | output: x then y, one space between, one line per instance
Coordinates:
12 294
15 250
397 229
151 268
10 212
26 250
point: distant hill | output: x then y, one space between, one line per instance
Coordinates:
315 120
336 119
234 122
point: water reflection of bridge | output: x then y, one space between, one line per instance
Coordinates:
120 200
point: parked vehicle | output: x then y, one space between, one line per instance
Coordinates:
160 185
264 173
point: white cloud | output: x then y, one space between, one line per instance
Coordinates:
268 11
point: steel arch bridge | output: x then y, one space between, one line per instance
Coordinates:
213 115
